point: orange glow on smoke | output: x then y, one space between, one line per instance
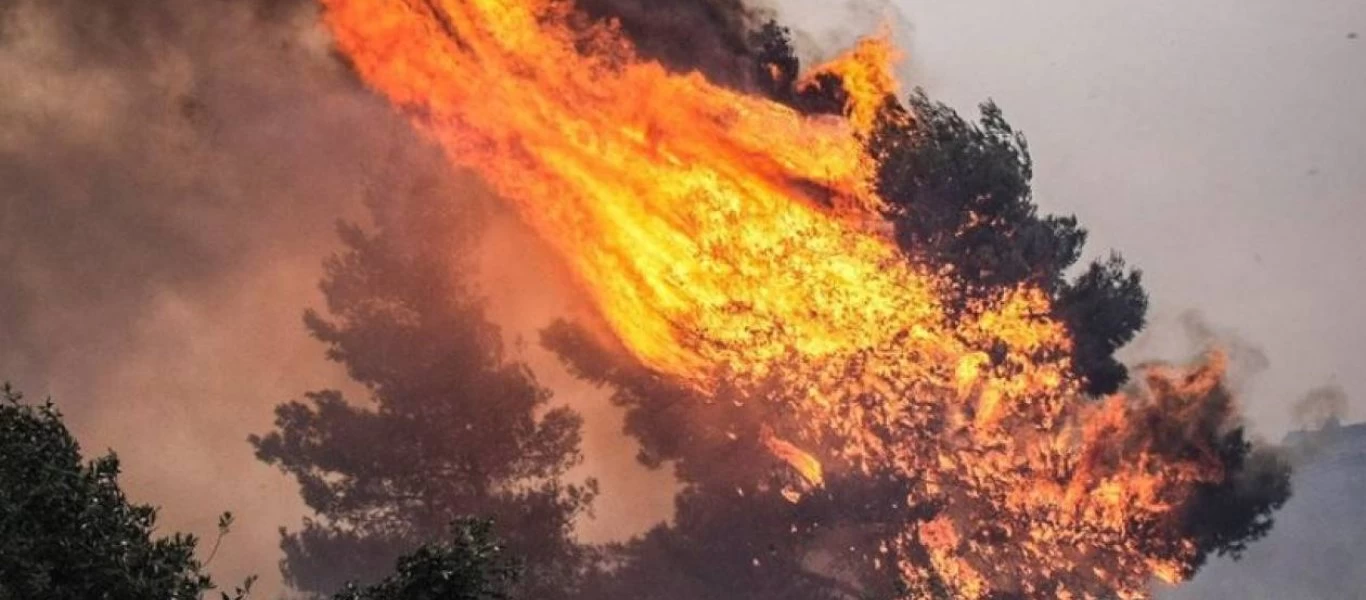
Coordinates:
718 234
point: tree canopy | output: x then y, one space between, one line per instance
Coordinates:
469 564
68 531
451 427
960 198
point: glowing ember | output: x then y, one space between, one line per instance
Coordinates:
719 236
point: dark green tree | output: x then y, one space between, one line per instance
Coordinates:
468 564
451 427
68 532
959 196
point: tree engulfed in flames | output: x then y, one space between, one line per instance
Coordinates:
723 236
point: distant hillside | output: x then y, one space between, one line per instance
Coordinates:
1317 550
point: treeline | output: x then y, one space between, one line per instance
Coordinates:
68 532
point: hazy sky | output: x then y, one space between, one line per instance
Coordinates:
1220 145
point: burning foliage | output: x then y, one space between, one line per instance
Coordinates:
854 413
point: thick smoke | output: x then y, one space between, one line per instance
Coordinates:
172 174
711 36
524 301
1191 335
1315 549
1320 407
718 37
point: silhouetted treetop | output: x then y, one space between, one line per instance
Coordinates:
68 531
452 427
469 563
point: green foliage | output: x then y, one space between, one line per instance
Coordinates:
452 427
468 565
960 198
67 531
1104 308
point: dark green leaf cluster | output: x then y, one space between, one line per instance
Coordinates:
960 197
470 564
67 531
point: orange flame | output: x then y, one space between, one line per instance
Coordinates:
800 460
865 73
718 234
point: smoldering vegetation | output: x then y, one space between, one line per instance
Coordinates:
1314 548
711 36
726 39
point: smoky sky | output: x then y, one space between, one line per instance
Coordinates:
170 177
147 148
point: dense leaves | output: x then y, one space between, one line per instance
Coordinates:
960 198
470 564
68 532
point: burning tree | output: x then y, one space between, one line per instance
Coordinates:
853 413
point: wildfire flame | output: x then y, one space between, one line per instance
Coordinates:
718 235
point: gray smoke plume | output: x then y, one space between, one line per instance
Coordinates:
1319 407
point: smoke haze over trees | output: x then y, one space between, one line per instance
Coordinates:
68 531
452 426
469 563
381 472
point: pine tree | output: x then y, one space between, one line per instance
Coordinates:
452 427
